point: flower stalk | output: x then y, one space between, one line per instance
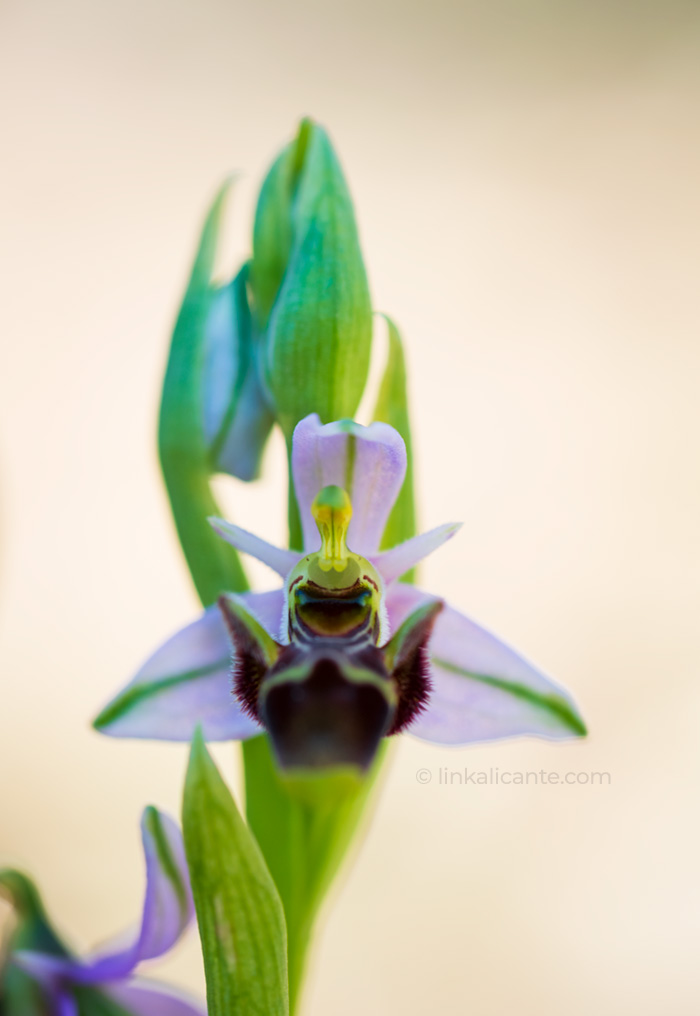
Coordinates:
303 828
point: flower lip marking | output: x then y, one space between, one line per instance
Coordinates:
330 712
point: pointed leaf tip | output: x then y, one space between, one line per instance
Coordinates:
392 408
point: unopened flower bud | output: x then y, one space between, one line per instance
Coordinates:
309 285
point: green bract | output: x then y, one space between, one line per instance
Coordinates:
185 454
309 285
392 408
239 913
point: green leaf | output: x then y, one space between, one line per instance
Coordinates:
310 286
33 929
20 995
240 916
184 456
92 1002
392 407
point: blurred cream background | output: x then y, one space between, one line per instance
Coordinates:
526 180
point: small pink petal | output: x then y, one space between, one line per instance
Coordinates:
281 561
396 562
368 462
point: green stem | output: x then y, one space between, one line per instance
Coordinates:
304 833
303 838
284 827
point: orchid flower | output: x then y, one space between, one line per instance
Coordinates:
434 672
67 984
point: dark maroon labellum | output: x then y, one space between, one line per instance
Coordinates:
329 696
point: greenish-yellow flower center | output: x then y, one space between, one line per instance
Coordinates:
333 591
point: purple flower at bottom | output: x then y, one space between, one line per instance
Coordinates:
477 687
167 911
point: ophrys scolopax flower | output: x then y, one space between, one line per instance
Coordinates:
342 653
